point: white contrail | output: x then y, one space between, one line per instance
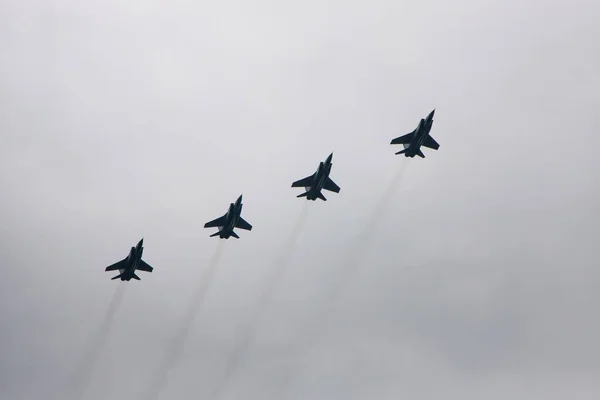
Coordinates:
97 344
348 268
160 378
266 296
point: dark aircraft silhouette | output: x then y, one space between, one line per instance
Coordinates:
318 181
419 137
133 262
231 220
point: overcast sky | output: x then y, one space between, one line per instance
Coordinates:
129 119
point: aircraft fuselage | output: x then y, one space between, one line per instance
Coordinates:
318 181
231 219
320 177
133 260
420 136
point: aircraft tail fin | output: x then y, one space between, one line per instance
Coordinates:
116 277
137 278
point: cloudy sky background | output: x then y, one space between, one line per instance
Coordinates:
121 120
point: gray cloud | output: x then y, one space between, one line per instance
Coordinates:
122 120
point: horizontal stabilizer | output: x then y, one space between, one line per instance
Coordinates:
322 197
215 234
431 143
403 139
402 151
137 278
116 277
243 224
420 154
331 186
143 266
303 194
216 222
235 235
305 182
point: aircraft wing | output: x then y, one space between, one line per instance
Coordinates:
144 266
216 222
405 139
431 143
118 265
243 224
331 186
306 182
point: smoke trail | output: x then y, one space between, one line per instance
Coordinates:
350 266
160 378
266 296
81 379
363 239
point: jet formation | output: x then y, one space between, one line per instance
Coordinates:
413 141
232 219
318 181
313 184
133 262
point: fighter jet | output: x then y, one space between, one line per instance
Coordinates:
231 220
413 141
318 181
133 262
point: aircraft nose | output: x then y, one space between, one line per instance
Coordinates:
432 113
330 157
